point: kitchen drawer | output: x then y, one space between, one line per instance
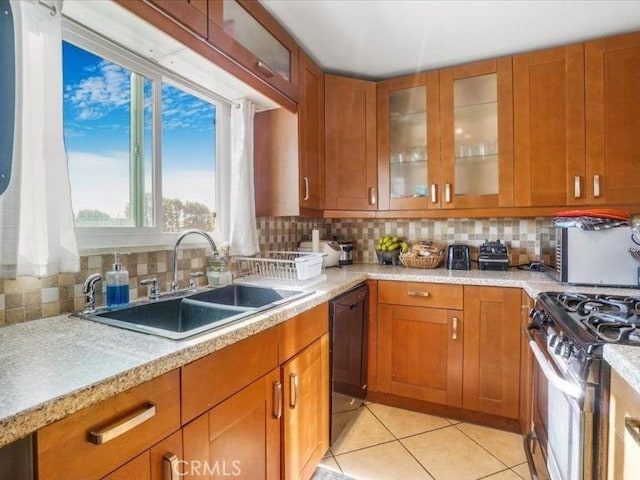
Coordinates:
66 449
302 330
624 448
209 380
418 294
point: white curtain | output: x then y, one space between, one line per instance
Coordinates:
243 232
38 236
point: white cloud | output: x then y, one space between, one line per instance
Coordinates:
101 181
96 95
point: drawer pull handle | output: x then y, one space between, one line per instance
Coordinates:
124 425
633 427
434 193
413 293
170 465
454 328
576 187
293 390
447 193
265 69
277 399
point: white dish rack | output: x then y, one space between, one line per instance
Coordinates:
291 268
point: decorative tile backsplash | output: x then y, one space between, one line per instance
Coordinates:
28 298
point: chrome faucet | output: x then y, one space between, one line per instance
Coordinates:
89 291
214 251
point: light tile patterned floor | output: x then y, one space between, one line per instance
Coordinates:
387 443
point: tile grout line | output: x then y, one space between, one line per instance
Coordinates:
409 436
337 463
499 471
482 446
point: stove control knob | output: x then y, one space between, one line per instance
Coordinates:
566 348
554 341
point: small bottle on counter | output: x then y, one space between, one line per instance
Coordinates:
117 282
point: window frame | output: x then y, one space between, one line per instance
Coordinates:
96 238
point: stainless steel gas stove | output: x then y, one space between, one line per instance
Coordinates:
570 381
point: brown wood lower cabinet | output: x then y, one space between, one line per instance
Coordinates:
468 359
420 353
240 437
305 426
492 350
526 365
160 462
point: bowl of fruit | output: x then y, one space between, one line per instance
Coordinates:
389 248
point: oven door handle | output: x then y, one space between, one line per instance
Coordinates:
567 387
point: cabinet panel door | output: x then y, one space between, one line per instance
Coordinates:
420 353
526 366
350 144
137 468
549 127
492 350
239 438
613 101
306 410
311 134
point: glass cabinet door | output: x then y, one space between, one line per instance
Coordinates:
246 30
475 103
408 159
476 113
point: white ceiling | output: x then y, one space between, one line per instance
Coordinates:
384 38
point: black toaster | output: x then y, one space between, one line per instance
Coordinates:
458 257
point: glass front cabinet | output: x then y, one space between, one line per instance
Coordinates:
408 142
445 138
476 121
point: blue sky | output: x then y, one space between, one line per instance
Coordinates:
96 119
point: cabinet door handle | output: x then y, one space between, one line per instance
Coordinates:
170 465
454 328
596 186
633 427
277 399
306 188
447 193
265 69
414 293
123 425
293 390
373 197
576 186
434 193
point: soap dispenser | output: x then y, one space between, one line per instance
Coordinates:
117 282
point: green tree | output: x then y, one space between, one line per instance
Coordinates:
92 217
197 215
172 210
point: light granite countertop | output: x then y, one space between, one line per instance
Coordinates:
53 367
625 360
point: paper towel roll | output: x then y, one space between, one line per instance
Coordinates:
315 240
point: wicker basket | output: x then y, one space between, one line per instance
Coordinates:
410 260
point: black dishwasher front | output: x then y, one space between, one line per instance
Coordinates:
348 315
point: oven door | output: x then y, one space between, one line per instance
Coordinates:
559 418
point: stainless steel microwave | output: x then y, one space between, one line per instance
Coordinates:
596 257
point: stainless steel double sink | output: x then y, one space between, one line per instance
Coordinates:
183 317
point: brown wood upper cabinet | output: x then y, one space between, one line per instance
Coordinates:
311 135
612 121
492 350
247 33
350 144
476 129
192 14
409 142
549 127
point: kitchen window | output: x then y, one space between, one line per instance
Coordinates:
143 146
